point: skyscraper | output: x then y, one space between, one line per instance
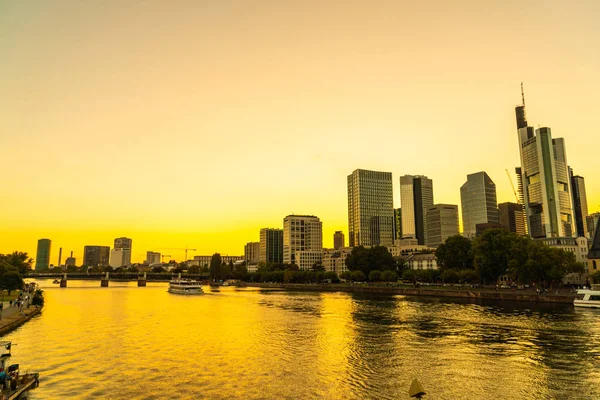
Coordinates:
42 259
580 209
478 201
252 252
512 217
370 208
124 256
271 245
338 240
96 256
546 185
416 196
153 257
442 222
302 240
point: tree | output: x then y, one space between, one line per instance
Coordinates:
455 253
596 277
158 270
240 271
194 269
358 276
107 268
38 298
389 276
492 253
132 269
215 266
19 260
375 276
10 281
366 260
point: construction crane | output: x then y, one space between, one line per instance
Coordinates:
512 185
162 257
186 249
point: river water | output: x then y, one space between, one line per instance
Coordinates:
126 342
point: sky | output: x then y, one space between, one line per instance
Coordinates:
196 123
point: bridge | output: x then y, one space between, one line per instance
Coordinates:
105 277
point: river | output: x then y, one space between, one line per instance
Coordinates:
125 342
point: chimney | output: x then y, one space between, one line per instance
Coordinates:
59 256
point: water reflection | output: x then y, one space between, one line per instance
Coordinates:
130 342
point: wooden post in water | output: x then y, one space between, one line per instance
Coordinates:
142 280
63 280
104 281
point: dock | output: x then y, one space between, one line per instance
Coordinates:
23 383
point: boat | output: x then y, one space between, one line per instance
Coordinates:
589 298
12 383
185 286
56 281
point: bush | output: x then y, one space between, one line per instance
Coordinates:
375 276
38 298
389 276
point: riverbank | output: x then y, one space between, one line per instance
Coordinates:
449 292
18 318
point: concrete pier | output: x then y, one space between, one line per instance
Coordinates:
104 281
142 280
63 281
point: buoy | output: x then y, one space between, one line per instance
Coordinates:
416 390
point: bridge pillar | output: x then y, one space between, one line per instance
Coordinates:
142 280
63 281
104 281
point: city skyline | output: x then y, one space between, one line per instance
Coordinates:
209 138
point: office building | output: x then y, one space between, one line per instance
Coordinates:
416 196
252 252
546 187
125 244
442 222
302 241
580 208
42 259
271 246
512 217
478 201
397 224
96 256
334 260
120 257
370 208
592 223
338 240
153 257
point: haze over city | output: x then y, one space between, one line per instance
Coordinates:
199 123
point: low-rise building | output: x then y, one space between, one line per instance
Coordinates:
334 260
204 261
577 246
422 261
594 253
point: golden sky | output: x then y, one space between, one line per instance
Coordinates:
196 123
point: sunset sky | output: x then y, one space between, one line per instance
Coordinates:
196 123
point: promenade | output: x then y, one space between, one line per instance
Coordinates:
14 316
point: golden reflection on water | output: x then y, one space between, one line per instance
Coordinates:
129 342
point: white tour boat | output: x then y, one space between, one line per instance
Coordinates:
185 286
587 298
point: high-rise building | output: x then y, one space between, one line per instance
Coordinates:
442 222
338 240
42 259
271 245
416 196
70 261
512 217
546 190
252 252
370 208
153 257
302 241
120 257
478 201
125 244
592 223
96 256
397 224
580 209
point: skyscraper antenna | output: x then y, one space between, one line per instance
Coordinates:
522 94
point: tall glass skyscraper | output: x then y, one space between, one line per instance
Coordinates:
416 196
42 259
580 208
370 208
478 201
271 245
546 187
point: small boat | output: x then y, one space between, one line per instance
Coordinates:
185 286
587 298
13 383
56 281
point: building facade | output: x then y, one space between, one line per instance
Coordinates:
302 241
577 246
271 246
252 252
416 196
478 203
334 260
125 244
580 208
338 240
42 259
370 208
153 257
546 187
204 261
594 253
422 261
120 257
96 256
512 217
442 222
592 223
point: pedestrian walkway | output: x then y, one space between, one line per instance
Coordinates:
13 316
